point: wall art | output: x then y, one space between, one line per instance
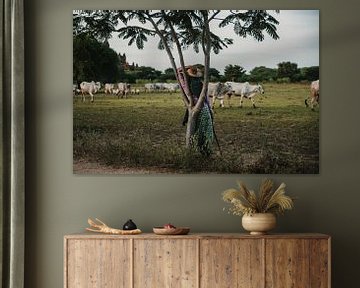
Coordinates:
196 91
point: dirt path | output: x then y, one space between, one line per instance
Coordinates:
84 167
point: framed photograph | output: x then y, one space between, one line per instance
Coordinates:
196 91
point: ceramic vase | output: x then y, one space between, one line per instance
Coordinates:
259 223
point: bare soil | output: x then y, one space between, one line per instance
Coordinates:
84 167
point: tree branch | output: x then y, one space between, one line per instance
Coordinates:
168 50
136 27
207 50
214 15
181 57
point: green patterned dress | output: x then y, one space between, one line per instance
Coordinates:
204 130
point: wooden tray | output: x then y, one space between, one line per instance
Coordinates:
171 231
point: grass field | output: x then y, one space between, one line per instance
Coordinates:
144 133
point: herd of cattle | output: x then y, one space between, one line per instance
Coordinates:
216 90
120 89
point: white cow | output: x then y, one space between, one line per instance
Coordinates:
159 87
109 88
123 89
171 87
217 90
76 90
244 90
150 87
89 88
134 91
314 94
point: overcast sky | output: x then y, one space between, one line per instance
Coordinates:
298 43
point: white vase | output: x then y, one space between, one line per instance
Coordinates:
259 223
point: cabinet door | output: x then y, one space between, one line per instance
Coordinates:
320 263
164 263
296 263
98 263
231 263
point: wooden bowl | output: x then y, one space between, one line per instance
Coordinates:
171 231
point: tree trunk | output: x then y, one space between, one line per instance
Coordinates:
190 128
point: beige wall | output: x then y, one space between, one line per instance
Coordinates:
59 203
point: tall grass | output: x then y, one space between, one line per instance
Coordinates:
145 131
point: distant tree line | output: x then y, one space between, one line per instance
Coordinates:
286 72
94 60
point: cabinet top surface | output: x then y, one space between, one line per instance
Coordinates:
89 235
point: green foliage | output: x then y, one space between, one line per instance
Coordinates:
262 74
93 60
145 72
288 70
214 75
141 72
234 73
252 23
98 24
135 34
310 73
169 74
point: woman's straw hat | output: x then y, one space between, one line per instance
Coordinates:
194 71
